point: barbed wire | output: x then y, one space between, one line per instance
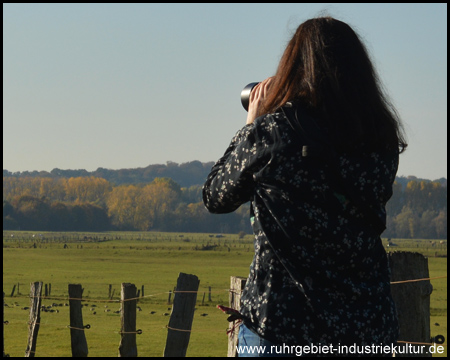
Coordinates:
139 331
184 291
43 297
167 327
90 328
416 280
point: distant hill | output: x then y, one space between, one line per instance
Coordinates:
404 180
185 174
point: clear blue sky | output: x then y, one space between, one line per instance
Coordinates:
129 85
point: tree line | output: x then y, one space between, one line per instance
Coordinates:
417 209
94 204
185 174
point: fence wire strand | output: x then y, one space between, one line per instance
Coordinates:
193 292
88 327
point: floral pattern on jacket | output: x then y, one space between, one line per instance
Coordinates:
319 273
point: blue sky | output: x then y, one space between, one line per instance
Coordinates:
129 85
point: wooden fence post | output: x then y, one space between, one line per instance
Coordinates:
35 318
412 300
77 335
180 323
127 347
236 286
12 292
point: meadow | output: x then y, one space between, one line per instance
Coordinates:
153 260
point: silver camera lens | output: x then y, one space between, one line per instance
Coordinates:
245 94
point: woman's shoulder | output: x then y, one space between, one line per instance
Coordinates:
270 122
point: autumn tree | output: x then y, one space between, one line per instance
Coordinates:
52 189
159 199
122 204
87 189
406 223
44 201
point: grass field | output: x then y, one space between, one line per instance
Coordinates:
153 260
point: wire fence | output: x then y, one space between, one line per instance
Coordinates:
88 327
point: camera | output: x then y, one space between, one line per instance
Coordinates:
245 94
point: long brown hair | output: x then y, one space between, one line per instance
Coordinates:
326 67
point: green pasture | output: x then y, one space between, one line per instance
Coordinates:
152 260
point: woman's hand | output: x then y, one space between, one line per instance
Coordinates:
256 97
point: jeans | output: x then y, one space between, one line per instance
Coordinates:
252 345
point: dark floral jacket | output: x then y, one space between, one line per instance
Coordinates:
320 272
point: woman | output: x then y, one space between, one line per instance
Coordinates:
317 159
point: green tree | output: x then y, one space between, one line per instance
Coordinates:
32 213
396 202
427 228
9 221
60 217
440 223
406 223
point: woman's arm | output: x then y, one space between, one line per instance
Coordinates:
230 182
